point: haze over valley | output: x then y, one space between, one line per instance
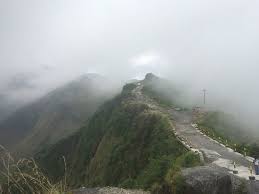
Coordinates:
114 96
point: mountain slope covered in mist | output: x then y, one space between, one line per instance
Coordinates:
229 131
128 142
56 115
7 107
5 110
162 91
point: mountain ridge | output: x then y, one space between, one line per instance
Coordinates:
128 143
55 115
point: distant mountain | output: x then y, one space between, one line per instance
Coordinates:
127 143
56 115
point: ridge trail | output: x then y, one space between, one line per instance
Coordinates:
213 152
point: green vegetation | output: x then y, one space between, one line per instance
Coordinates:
222 124
124 144
51 158
173 182
130 144
159 97
162 91
242 189
24 176
226 130
128 88
55 116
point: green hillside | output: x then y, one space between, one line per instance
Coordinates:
55 116
126 143
161 90
227 130
7 106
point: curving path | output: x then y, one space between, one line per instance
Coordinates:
213 151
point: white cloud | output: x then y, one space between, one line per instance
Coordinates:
146 60
206 44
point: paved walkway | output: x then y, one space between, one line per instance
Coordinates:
213 151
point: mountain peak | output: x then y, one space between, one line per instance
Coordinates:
150 77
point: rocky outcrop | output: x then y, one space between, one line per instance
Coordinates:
213 180
150 77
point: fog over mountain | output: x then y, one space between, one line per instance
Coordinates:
196 44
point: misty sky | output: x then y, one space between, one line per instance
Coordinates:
210 44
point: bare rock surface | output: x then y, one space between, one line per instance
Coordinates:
215 180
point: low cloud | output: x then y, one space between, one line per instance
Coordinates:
196 44
21 81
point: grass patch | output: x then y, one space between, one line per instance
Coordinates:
173 182
24 176
222 127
